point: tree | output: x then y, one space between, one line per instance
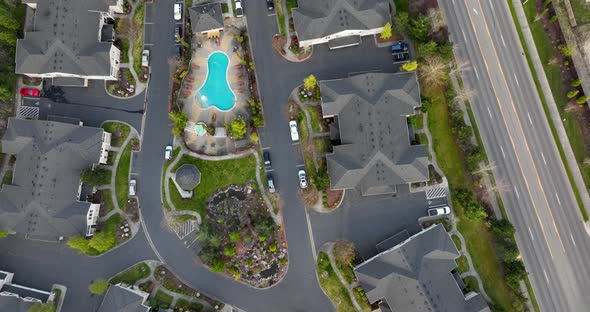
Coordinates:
310 83
321 179
410 66
475 211
3 234
229 251
238 128
464 94
576 82
180 120
419 28
583 99
217 265
502 228
8 37
95 177
344 252
8 20
402 21
42 307
254 138
426 50
572 93
99 286
515 272
433 71
102 241
436 19
234 236
386 31
565 50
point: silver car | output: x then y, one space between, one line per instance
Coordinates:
302 179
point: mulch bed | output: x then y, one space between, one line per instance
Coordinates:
334 197
132 209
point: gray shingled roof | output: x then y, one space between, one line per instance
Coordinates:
206 17
14 304
65 39
41 201
121 299
320 18
416 276
188 177
375 154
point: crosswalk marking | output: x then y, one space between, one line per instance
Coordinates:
184 229
437 192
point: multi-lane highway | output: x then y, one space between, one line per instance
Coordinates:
541 204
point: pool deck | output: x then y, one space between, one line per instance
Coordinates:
195 78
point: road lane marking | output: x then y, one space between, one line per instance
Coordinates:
502 150
547 278
490 112
492 4
558 201
530 120
518 84
543 156
474 10
531 233
573 241
148 23
476 74
464 37
516 192
503 42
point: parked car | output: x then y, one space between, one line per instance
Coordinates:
270 5
177 11
266 157
302 178
239 8
294 131
401 57
178 50
439 211
132 185
271 183
177 33
168 153
399 47
145 58
29 92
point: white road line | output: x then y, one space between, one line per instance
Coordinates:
530 120
464 37
270 170
302 165
516 192
531 233
502 150
148 23
296 143
543 156
518 84
476 74
265 148
148 44
503 42
489 112
453 2
547 278
573 241
474 10
558 201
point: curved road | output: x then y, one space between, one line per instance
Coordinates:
549 229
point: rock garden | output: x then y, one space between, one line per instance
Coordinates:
239 237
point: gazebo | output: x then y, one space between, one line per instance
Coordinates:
186 178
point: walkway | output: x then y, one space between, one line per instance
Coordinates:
328 249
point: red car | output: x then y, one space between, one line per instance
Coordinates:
29 92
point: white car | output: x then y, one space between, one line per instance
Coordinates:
177 11
439 211
239 8
145 58
132 185
302 178
294 131
168 153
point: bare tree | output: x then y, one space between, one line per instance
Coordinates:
437 20
460 66
489 167
344 251
500 186
464 94
433 71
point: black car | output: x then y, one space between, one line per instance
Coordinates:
177 33
270 5
266 157
401 57
271 183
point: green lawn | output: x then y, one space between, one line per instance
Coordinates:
457 241
281 17
315 118
416 121
462 264
138 37
346 271
132 275
581 11
186 305
478 239
166 165
106 241
290 5
161 300
122 177
108 201
7 179
471 284
302 126
332 285
214 175
124 50
114 127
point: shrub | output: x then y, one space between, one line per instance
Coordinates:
576 82
565 50
99 286
238 128
553 19
321 179
254 138
572 93
410 66
229 251
3 234
217 265
386 31
95 177
234 236
583 99
344 252
180 120
310 82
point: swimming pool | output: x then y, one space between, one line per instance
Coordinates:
216 91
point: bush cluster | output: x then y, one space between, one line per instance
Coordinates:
514 269
464 133
256 109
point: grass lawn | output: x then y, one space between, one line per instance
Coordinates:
471 284
315 118
290 5
416 121
161 300
463 265
456 241
478 239
346 271
302 126
124 50
122 177
186 305
332 285
581 11
132 275
114 127
214 175
166 165
281 17
138 37
108 201
7 179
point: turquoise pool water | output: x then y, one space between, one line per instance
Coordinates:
215 91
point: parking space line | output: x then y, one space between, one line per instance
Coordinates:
270 170
296 143
265 148
302 165
149 44
149 23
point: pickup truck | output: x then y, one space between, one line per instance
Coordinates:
439 211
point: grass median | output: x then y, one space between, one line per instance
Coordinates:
122 177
